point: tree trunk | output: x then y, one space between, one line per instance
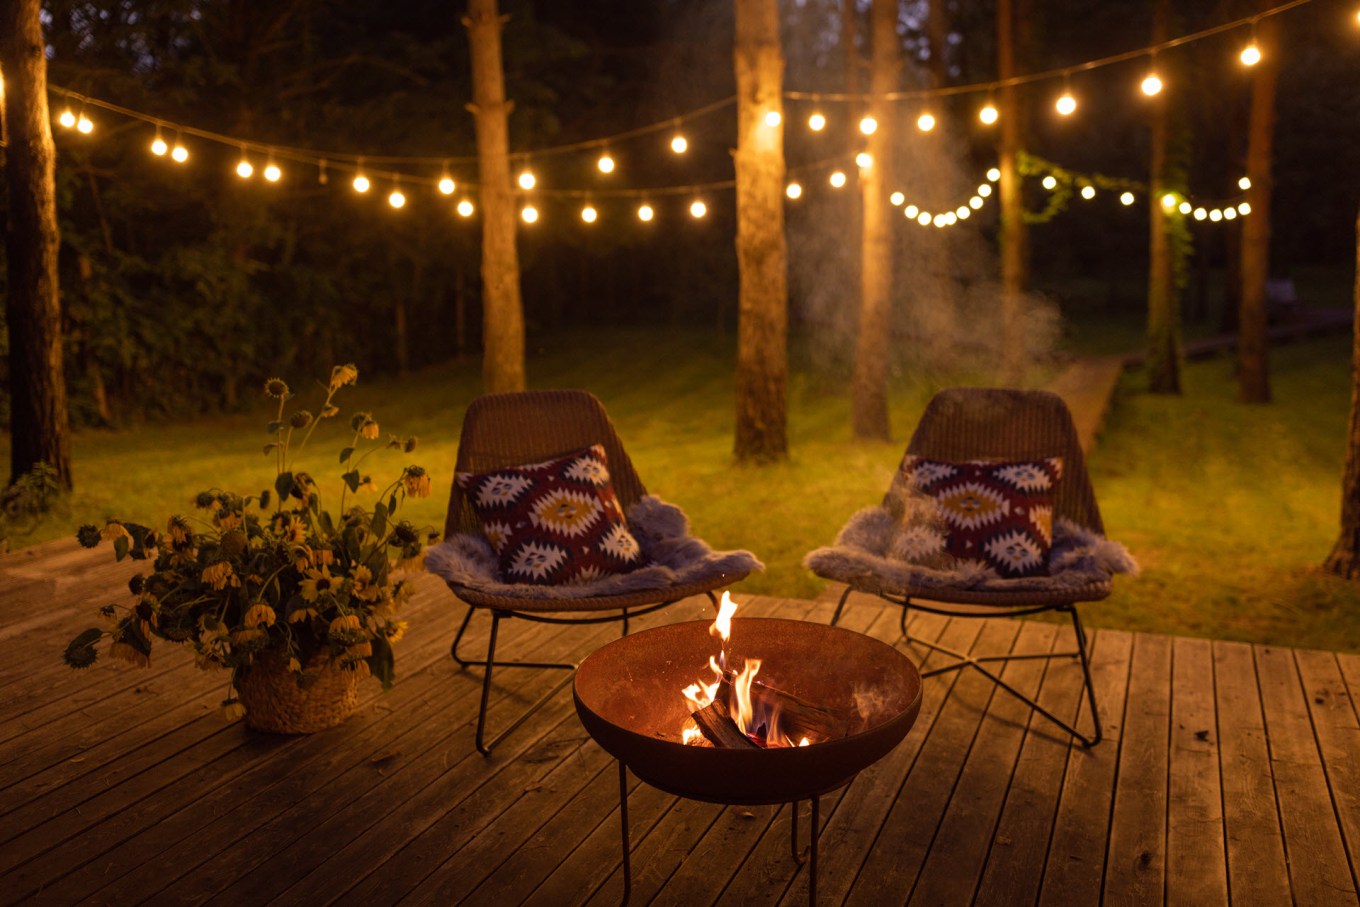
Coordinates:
39 422
502 308
941 326
1253 373
1012 227
1345 557
1163 353
869 390
762 255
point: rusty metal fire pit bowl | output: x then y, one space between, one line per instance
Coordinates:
628 698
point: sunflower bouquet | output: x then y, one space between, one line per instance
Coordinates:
274 582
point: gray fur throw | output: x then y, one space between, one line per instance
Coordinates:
864 557
675 558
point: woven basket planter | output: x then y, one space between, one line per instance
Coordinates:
277 703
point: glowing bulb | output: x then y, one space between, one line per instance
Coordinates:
1200 214
465 208
897 198
975 203
272 173
1244 184
1088 192
605 163
838 179
864 160
679 144
773 118
868 125
67 118
923 218
158 147
1152 85
1126 199
698 209
529 214
589 214
925 122
361 183
1066 105
83 125
985 190
1050 182
1251 54
1244 209
793 190
396 199
1215 215
1185 207
1169 201
950 219
816 122
526 180
1229 213
645 213
911 211
179 153
939 220
244 169
962 212
993 174
447 185
988 114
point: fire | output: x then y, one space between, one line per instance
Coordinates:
756 717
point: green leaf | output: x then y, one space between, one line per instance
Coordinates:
270 447
327 525
352 479
392 503
274 427
284 484
379 525
120 547
346 453
381 663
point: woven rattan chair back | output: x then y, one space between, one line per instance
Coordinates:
518 428
970 423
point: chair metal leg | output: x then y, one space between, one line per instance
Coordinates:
1086 673
840 606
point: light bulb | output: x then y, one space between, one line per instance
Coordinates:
1215 215
868 125
1126 199
897 198
396 199
1229 213
679 144
179 153
698 209
1066 104
1088 192
529 214
838 179
1244 209
1050 182
83 125
793 190
975 203
527 180
993 174
1201 213
816 122
1244 183
923 218
1251 54
988 114
950 219
962 212
361 183
605 163
272 173
67 118
911 211
1152 85
939 220
1185 207
773 118
1169 201
985 190
925 122
645 213
589 214
864 160
465 208
447 185
158 147
244 169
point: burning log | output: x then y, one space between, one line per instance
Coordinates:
719 729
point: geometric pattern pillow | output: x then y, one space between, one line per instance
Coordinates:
554 523
999 513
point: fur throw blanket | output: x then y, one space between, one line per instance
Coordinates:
675 558
863 557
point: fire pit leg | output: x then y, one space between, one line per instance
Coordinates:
623 824
808 854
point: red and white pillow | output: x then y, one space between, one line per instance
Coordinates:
556 522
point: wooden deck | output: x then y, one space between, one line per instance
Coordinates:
1229 773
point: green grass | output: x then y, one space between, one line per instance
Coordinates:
1228 507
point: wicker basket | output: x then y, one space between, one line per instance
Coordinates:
277 703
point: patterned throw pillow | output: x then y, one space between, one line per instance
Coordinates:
554 523
999 513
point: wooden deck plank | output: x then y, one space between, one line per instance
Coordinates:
1338 735
1318 870
1075 866
1196 865
1257 872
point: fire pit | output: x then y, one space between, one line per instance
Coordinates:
854 698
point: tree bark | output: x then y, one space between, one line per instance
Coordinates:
39 422
503 309
869 388
1253 374
762 254
1012 214
1345 557
1163 353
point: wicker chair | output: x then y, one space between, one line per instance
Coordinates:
998 424
512 429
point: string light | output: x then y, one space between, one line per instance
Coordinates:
1201 213
976 203
1126 199
793 190
179 154
817 122
1050 182
1229 213
158 146
645 212
923 218
911 211
962 212
984 190
465 208
1244 209
529 214
446 183
1244 183
322 176
864 160
244 169
868 125
698 209
1169 201
83 123
1251 54
605 163
397 199
925 122
589 214
897 198
837 179
67 119
679 144
1066 104
1215 215
1152 84
527 180
993 175
272 173
988 114
772 119
1088 192
361 183
1185 207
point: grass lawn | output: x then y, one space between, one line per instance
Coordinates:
1228 507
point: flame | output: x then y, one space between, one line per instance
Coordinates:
722 626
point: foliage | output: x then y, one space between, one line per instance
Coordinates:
28 498
292 583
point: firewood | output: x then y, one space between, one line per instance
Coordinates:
719 728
